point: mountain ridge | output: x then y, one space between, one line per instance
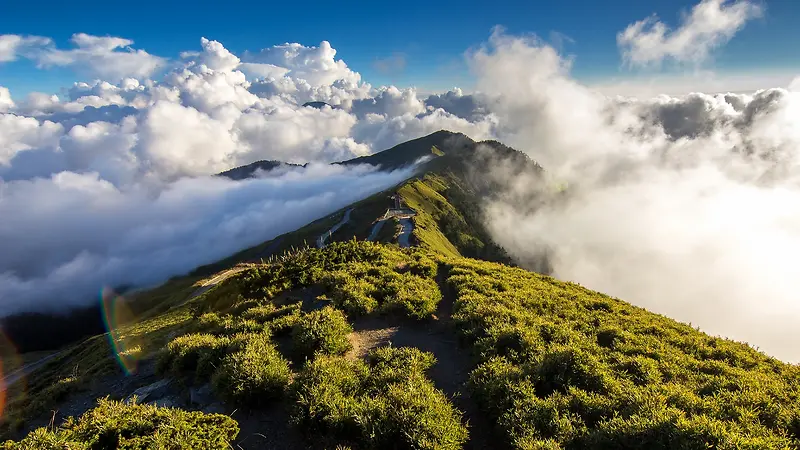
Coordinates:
445 344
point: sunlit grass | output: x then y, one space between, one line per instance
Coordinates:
560 366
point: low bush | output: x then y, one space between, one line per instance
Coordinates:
284 319
393 365
128 426
322 331
408 291
198 353
351 293
255 375
385 402
411 296
565 367
423 265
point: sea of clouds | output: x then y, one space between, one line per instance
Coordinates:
687 205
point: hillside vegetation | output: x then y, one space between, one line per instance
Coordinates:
566 367
366 345
554 365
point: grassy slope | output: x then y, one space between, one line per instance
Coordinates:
145 323
567 367
559 366
441 224
157 312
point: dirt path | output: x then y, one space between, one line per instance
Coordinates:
451 371
217 279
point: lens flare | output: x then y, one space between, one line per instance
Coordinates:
11 373
118 315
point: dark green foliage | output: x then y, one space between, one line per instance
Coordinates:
322 331
565 367
423 264
194 353
255 375
449 219
386 402
115 425
283 320
306 267
559 366
405 288
411 296
353 294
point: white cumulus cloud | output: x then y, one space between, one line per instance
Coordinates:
687 205
6 102
316 65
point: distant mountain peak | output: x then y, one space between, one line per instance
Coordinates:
319 105
249 170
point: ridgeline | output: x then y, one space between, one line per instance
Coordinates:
367 344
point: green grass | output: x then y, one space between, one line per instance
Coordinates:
558 365
195 353
129 426
322 331
145 323
565 367
385 402
448 219
254 376
429 205
361 289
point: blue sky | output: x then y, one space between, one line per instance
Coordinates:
430 37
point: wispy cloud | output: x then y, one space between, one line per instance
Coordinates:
710 24
391 65
107 57
12 46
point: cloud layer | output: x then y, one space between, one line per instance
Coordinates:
108 183
684 205
208 112
687 206
84 233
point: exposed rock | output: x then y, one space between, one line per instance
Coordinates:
214 408
202 395
151 392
